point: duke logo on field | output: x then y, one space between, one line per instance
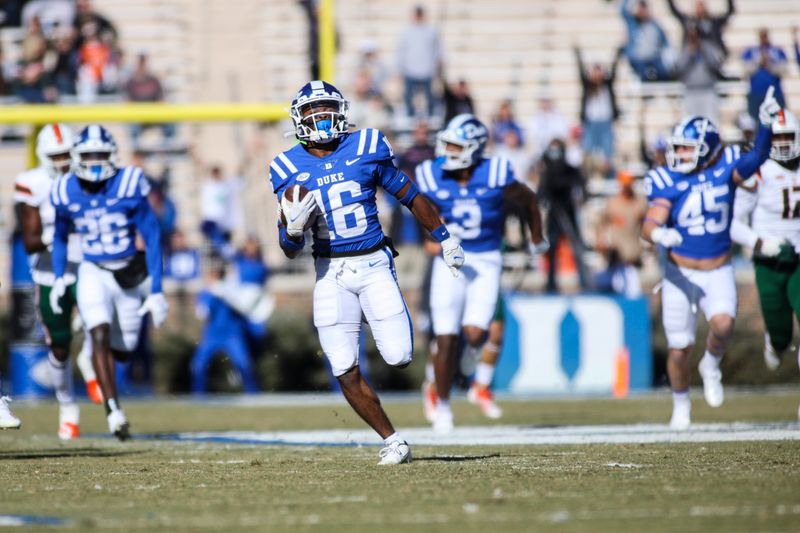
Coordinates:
572 344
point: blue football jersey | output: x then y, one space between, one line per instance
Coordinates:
702 204
344 184
473 212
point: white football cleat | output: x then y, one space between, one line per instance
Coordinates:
7 418
118 425
712 381
681 416
483 398
429 400
395 453
443 422
69 416
771 358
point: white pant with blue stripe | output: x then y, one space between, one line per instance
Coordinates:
349 286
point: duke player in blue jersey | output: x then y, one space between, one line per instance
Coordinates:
106 206
471 192
354 263
691 207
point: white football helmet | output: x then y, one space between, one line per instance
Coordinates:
53 145
319 112
787 146
94 156
466 132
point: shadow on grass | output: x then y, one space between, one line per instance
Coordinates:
60 453
456 458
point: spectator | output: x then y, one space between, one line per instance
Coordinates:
368 109
144 86
65 69
6 75
218 209
503 122
246 283
88 21
546 124
654 155
53 14
96 71
707 28
404 226
599 110
165 211
457 100
510 147
225 331
419 58
765 65
698 68
619 237
796 45
311 10
34 44
561 190
647 48
371 66
747 126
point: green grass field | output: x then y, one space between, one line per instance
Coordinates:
168 485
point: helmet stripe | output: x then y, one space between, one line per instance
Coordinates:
57 133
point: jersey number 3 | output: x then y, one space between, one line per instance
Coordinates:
692 215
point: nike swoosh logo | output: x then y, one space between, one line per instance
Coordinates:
375 263
350 162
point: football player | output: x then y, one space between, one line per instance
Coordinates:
106 205
353 260
772 197
470 191
37 220
691 206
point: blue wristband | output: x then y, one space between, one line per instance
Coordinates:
440 233
288 243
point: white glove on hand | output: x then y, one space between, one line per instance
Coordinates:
157 306
538 248
666 237
453 254
769 109
58 290
770 246
297 212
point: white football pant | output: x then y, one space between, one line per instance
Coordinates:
469 299
349 286
685 290
102 301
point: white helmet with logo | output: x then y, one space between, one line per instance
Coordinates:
53 145
785 137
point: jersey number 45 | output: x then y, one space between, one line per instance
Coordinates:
699 205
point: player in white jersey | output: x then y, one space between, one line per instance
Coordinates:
36 216
767 219
690 214
353 260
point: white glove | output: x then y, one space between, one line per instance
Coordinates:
297 212
770 246
58 290
538 248
453 254
666 237
157 306
769 109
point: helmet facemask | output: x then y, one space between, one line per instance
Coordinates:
447 146
94 166
58 163
785 137
683 155
320 121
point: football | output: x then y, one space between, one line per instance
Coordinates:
288 200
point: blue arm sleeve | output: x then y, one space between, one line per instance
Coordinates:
147 225
59 254
750 162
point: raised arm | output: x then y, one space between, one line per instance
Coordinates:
523 195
